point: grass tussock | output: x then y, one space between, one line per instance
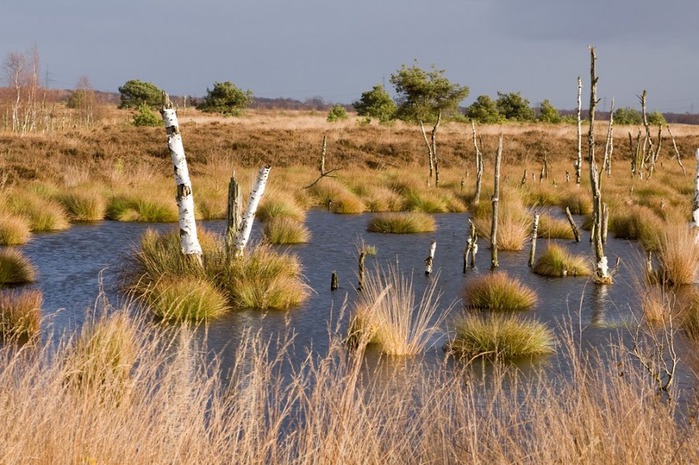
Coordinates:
381 199
14 229
83 205
678 255
277 204
402 223
337 197
500 336
554 228
142 209
498 292
15 268
20 313
387 313
426 201
43 214
183 410
266 279
186 298
285 230
514 224
557 262
636 222
579 201
263 278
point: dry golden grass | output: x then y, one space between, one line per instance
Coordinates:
14 229
498 292
20 313
557 262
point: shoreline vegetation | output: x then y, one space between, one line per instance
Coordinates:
124 376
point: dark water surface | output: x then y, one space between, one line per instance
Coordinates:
72 263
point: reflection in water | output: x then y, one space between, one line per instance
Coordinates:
70 263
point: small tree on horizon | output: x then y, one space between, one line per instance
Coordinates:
376 103
426 97
513 107
135 93
484 111
226 98
548 113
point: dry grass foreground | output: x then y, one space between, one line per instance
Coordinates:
125 391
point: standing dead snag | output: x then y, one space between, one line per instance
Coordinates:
578 160
471 246
609 146
677 152
189 242
602 274
243 235
496 194
695 204
573 226
535 233
232 217
479 166
432 148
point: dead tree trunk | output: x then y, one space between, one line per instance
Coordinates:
322 155
189 242
677 152
479 166
241 239
432 148
578 160
232 217
535 234
496 194
602 274
609 146
695 204
471 246
656 154
573 226
360 266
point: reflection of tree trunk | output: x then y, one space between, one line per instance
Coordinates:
598 318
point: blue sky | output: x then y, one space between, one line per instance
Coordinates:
338 49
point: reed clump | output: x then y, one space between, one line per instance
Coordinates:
554 228
337 197
277 204
636 222
514 223
15 268
412 222
20 313
43 214
14 229
387 313
500 336
678 255
579 201
557 262
285 230
142 209
83 205
186 298
498 292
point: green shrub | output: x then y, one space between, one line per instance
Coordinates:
145 117
337 113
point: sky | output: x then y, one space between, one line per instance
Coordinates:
337 49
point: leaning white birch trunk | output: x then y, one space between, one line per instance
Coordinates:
695 205
578 160
243 235
189 243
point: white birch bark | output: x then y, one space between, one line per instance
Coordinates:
578 160
189 241
430 258
243 235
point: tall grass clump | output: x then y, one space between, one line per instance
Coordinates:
85 206
277 204
557 262
554 228
636 222
266 279
579 201
498 292
427 201
142 209
388 315
337 197
20 313
103 356
514 224
402 223
500 336
43 214
15 268
186 298
14 229
285 230
678 254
